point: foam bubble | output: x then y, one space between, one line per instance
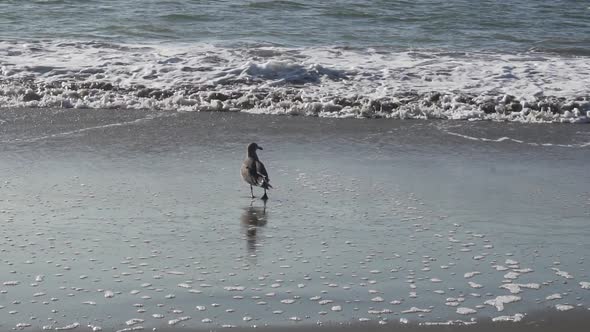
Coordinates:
68 327
471 274
466 311
415 310
129 329
134 321
515 318
500 301
562 273
564 307
178 320
516 288
11 283
380 312
511 275
22 326
474 285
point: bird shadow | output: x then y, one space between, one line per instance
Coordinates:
253 219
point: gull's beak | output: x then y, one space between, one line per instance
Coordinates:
260 148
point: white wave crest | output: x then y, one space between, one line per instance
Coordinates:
327 82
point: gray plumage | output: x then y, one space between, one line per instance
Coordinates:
254 172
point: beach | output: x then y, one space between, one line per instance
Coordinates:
118 219
429 164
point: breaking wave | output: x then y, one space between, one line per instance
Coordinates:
326 82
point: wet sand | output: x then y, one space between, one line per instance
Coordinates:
127 219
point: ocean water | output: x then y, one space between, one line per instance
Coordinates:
524 61
458 25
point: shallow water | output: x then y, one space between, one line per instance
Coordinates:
113 215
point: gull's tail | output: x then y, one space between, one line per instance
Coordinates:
265 184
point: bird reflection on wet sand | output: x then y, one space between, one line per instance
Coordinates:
252 219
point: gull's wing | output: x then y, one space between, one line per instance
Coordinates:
263 175
261 170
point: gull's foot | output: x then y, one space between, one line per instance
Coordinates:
264 198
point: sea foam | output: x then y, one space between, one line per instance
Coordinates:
315 81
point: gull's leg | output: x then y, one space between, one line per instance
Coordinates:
251 192
264 197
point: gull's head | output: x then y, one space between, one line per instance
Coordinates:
252 147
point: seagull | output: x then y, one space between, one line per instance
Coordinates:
253 171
